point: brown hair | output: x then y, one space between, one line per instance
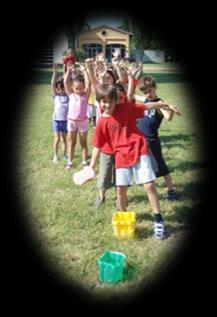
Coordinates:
105 90
59 83
147 82
79 79
111 73
120 87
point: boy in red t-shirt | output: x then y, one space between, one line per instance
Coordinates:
117 130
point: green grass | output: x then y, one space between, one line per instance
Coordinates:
67 228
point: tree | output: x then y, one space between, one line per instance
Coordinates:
79 25
144 36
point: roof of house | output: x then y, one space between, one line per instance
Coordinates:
110 27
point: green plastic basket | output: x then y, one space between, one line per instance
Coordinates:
111 266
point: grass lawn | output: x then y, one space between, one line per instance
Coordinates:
67 229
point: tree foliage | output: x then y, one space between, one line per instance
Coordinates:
144 36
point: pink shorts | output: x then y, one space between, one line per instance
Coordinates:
80 126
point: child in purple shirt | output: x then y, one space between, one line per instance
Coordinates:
61 102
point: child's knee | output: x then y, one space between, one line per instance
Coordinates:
57 139
72 143
83 144
149 187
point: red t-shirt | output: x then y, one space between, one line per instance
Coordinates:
135 83
123 99
120 133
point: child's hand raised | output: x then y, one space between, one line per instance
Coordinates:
100 57
133 69
116 52
88 60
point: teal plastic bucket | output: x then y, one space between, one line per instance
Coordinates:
111 267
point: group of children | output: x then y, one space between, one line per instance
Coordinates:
125 133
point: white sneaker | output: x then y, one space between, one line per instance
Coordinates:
68 166
55 159
84 163
159 230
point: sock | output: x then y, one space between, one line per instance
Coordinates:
158 217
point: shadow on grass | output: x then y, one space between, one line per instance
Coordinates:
189 166
143 233
144 217
171 230
129 272
183 217
186 215
194 190
137 198
170 141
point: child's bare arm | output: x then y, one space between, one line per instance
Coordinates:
67 83
168 114
87 81
94 157
130 87
122 75
131 76
90 72
53 79
139 70
139 98
162 105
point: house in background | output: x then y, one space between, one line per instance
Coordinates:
100 39
104 39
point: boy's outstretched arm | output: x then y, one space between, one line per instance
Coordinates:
162 105
168 114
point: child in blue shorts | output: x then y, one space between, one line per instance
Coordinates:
61 101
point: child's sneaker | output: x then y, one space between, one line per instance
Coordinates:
172 195
159 230
65 158
68 166
85 163
100 201
55 159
